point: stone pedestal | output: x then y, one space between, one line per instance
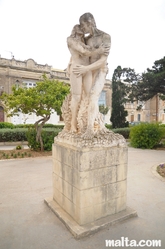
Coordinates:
89 184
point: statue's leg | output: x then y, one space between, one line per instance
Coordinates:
93 108
75 101
87 83
76 90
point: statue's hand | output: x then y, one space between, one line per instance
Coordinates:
80 70
104 49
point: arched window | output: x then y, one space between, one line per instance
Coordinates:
1 114
17 84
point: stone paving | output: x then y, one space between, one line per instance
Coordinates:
27 223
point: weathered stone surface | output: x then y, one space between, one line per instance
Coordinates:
92 227
89 183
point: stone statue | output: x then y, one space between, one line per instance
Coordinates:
81 54
89 48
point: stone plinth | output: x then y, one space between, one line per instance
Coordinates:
89 183
89 186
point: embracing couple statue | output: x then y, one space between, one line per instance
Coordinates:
87 70
89 48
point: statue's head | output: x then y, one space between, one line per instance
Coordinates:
87 23
77 30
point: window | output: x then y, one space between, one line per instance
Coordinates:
102 99
17 84
138 117
29 83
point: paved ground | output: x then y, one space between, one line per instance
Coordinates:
27 223
12 147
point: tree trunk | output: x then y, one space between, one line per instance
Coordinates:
38 126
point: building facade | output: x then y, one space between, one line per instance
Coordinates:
152 110
19 73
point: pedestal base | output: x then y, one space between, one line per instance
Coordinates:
89 185
90 228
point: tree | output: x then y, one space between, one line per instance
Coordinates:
46 97
152 82
103 109
119 93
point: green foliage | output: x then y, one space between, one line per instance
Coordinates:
103 109
6 125
24 126
43 100
119 114
108 126
31 138
32 126
162 125
146 135
18 147
53 126
47 137
13 154
46 97
11 135
152 82
125 132
20 134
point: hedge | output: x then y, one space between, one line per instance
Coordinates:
19 134
8 135
4 125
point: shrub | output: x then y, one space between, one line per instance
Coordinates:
20 134
32 126
53 126
24 126
162 128
18 147
31 138
6 125
47 137
108 126
146 135
125 132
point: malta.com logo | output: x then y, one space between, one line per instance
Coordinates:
125 242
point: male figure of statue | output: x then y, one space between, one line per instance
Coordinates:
97 65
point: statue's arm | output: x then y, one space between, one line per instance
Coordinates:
79 69
84 49
79 47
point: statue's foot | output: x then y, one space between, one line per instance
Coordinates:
104 130
89 134
73 129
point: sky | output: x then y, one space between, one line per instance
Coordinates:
38 29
